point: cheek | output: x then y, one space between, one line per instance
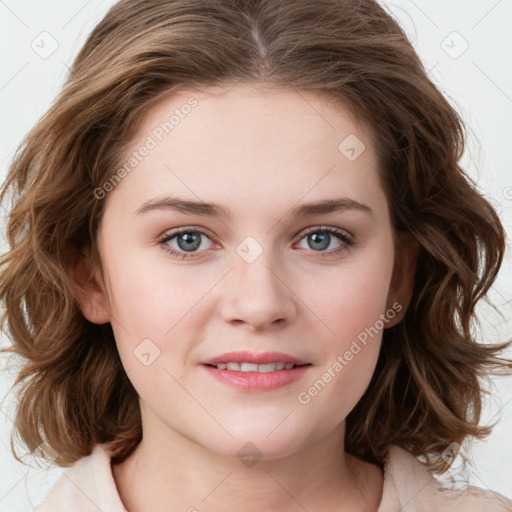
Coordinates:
361 303
164 303
355 309
149 295
354 297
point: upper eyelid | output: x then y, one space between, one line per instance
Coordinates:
170 233
324 227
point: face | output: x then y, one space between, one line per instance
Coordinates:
258 275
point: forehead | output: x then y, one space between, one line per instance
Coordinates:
262 102
248 142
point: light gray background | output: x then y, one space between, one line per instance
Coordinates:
476 79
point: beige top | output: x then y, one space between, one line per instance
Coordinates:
89 486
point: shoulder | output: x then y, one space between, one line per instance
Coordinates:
410 487
87 486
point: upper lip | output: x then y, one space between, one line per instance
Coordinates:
244 356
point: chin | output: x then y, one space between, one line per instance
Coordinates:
258 442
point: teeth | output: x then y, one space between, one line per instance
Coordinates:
248 367
253 367
269 367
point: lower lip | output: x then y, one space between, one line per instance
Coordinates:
255 381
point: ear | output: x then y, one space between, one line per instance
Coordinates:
402 280
90 292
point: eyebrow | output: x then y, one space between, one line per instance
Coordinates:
216 210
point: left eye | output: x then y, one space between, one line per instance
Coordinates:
189 241
320 238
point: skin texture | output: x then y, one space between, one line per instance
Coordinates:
259 152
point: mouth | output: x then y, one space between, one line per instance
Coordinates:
262 362
251 371
247 367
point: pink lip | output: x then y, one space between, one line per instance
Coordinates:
244 356
254 381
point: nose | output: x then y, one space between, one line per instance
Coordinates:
258 295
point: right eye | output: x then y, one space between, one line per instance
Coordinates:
187 242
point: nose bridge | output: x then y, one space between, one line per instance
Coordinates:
259 295
258 268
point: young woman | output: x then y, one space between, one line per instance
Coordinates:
243 267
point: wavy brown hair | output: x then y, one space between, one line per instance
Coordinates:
72 389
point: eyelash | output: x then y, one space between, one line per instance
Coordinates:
342 235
